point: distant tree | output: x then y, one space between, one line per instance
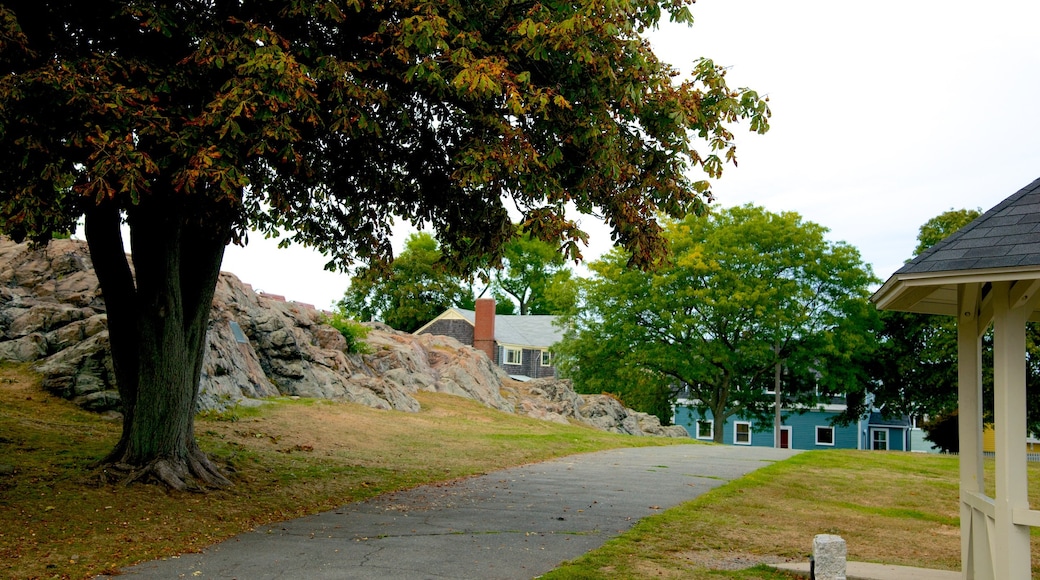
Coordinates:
534 274
194 122
417 287
941 226
557 295
741 291
915 368
943 431
503 305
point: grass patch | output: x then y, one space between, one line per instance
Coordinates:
294 457
893 508
288 458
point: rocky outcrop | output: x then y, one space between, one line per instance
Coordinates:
52 314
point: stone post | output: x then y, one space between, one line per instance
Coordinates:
829 555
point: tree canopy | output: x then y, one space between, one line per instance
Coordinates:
326 121
741 291
417 287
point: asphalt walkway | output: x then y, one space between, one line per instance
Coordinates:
512 524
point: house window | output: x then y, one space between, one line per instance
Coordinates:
879 439
547 358
705 429
824 435
742 433
513 356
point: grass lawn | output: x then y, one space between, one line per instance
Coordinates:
296 457
892 508
286 459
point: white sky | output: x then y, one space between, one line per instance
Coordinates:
885 114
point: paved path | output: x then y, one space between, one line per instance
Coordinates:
511 524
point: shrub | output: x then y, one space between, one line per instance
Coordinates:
354 332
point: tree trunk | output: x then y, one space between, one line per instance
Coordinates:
719 412
157 327
719 420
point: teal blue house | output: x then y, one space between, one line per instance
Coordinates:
811 429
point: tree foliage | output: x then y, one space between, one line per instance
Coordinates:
195 122
534 275
741 291
916 366
414 290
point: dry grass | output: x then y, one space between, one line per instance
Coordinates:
894 508
298 457
288 459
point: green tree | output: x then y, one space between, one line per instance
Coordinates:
417 287
741 291
195 122
534 274
915 368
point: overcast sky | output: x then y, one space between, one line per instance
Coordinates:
885 114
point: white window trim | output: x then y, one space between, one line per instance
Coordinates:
506 351
888 444
711 429
831 427
735 425
546 356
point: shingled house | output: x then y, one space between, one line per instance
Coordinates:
520 345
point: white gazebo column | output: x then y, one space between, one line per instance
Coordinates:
976 508
1011 555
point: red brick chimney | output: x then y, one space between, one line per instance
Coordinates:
484 327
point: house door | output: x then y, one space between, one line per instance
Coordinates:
785 437
879 439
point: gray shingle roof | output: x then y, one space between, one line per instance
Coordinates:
532 330
1006 236
879 420
1001 244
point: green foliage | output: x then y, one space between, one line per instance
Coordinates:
941 226
742 290
535 276
415 288
944 432
916 367
354 332
503 305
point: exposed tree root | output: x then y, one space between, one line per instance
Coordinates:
194 473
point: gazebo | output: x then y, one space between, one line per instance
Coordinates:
988 272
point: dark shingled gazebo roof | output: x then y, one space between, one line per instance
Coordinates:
1001 244
1006 236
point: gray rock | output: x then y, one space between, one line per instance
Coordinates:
24 349
52 312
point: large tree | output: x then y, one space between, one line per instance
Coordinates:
193 122
741 291
417 287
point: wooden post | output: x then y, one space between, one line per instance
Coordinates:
1011 555
976 561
